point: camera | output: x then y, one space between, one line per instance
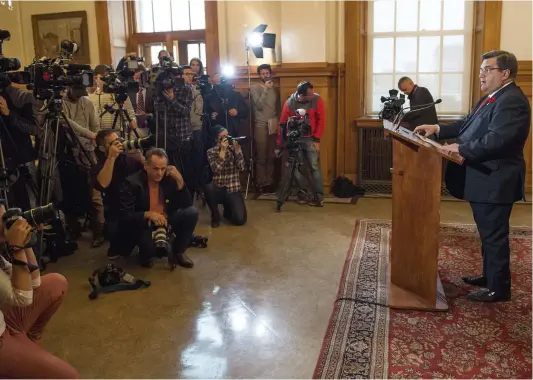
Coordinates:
50 76
297 126
35 217
167 78
8 66
139 143
231 139
161 242
202 83
121 82
392 105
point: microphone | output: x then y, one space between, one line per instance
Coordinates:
419 108
438 101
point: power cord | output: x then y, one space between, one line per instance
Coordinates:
358 300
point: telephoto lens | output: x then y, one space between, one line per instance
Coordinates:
161 243
139 143
240 139
41 215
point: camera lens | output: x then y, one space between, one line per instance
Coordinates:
40 215
160 238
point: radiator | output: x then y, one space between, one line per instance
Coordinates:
374 158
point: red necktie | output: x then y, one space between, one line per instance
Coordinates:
481 105
140 102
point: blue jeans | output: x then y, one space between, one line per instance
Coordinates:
310 156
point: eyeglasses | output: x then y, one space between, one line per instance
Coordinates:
488 69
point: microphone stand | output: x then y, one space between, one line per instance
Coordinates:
251 176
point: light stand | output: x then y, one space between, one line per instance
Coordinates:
257 40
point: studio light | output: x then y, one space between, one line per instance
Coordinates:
258 39
228 71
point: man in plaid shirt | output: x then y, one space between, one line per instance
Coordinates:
226 161
177 102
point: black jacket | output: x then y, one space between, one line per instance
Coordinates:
221 101
135 196
492 143
418 97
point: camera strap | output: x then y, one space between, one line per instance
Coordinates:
135 284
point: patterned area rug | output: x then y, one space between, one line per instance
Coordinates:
471 340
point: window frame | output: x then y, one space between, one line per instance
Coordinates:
467 32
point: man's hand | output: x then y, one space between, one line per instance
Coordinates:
277 152
115 149
169 94
269 84
232 112
449 149
18 234
316 144
4 110
173 172
427 129
214 115
156 218
133 123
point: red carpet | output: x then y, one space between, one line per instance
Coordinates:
471 340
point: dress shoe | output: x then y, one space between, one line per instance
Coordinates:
486 295
475 280
180 259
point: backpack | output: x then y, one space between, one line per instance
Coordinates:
344 188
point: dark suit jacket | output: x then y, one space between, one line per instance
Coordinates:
235 100
418 97
135 196
148 101
492 143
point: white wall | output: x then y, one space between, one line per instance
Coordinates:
307 31
516 28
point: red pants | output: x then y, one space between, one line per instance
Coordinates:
21 356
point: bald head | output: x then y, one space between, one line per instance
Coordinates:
405 84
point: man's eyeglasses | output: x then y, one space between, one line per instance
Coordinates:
488 69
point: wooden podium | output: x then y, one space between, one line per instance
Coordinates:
413 280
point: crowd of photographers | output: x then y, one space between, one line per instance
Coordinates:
128 150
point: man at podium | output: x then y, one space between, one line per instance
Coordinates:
491 139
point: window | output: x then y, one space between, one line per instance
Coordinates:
428 41
169 15
196 50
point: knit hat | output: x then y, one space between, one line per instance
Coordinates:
217 129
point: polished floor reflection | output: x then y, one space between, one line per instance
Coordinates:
256 304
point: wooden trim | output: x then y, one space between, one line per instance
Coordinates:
312 69
486 37
104 35
355 47
131 27
212 49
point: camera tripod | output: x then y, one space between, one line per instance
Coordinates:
48 163
294 162
121 116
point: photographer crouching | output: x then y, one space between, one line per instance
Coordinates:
108 175
27 303
226 161
157 212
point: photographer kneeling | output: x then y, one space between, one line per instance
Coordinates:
27 302
107 177
151 200
226 161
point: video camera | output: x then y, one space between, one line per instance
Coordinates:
296 127
8 66
202 83
392 105
121 82
168 76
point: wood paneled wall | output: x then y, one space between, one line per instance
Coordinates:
524 81
325 79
